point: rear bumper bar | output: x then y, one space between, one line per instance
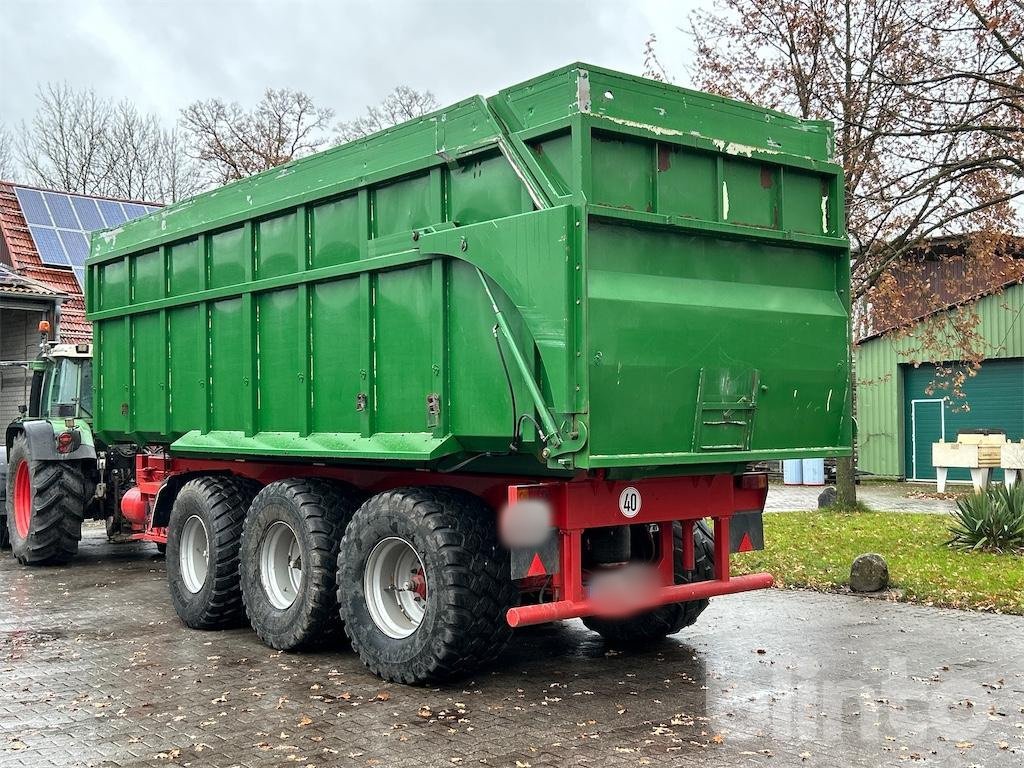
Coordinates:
657 503
568 609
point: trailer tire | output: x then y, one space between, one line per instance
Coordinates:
462 582
45 507
303 520
207 510
652 626
5 537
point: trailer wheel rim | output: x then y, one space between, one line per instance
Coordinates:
395 586
194 554
22 500
280 559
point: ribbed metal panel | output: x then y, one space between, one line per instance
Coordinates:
880 387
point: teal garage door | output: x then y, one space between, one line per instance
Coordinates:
996 401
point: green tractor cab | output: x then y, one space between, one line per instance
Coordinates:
62 398
57 474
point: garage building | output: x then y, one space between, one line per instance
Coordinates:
900 411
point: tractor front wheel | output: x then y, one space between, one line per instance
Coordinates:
45 507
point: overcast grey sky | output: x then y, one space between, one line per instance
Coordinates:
164 54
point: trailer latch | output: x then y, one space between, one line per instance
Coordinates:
433 410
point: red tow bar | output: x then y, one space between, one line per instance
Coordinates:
569 609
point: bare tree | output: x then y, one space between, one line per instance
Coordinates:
78 142
232 143
62 146
145 161
926 99
7 163
177 175
926 125
128 154
403 103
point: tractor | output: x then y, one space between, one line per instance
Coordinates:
58 474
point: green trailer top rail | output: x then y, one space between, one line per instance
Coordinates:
657 277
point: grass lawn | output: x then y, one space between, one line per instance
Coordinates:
815 549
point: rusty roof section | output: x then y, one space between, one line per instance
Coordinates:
953 281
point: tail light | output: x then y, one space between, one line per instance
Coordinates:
68 441
753 481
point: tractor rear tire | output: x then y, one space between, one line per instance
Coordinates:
203 538
289 560
45 507
424 585
652 626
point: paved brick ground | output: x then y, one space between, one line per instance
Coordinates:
95 670
883 497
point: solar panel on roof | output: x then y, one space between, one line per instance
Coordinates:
88 213
134 210
33 207
112 212
51 251
60 224
76 245
61 210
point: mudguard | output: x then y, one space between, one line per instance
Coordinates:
41 435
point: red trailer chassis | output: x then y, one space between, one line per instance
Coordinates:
578 504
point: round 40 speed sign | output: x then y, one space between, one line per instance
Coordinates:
630 502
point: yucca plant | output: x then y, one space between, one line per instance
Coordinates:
992 520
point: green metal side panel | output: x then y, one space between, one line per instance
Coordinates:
404 348
670 267
337 378
879 409
681 326
996 399
188 350
881 436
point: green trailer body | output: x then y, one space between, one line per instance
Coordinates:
670 271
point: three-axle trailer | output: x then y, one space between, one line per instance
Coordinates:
461 375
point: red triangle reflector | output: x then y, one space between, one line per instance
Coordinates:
746 545
537 567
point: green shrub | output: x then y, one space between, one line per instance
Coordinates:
991 521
